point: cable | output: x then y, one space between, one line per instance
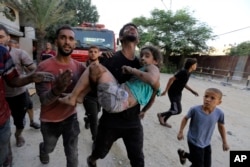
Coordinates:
231 31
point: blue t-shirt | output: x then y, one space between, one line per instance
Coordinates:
202 125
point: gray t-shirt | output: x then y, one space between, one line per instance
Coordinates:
202 125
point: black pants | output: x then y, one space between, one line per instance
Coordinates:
132 138
175 107
200 157
92 109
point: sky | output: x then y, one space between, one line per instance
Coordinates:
222 16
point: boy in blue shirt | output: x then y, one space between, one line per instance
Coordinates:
203 120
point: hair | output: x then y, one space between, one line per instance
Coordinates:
126 25
215 90
2 27
155 52
94 47
189 62
64 27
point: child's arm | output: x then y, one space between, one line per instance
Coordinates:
170 82
180 135
222 131
151 75
148 105
191 90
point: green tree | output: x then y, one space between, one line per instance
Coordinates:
40 14
84 12
178 34
242 49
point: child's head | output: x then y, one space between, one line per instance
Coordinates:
94 53
151 55
212 97
190 64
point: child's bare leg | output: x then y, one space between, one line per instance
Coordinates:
99 74
81 86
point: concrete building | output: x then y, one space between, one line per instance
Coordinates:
9 17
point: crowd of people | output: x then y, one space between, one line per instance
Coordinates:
119 84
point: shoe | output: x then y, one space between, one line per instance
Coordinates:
90 164
19 141
181 154
44 158
35 125
86 120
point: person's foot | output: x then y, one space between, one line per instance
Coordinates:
182 157
91 163
68 99
19 141
8 161
87 124
161 119
44 158
35 125
167 125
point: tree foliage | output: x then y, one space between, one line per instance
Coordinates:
83 12
47 15
242 49
176 33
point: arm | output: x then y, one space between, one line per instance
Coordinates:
148 105
191 90
32 77
151 75
49 95
170 82
222 131
180 135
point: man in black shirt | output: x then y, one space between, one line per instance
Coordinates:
126 124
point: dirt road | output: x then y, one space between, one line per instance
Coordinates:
160 143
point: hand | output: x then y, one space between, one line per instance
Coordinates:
195 93
108 54
180 136
42 77
141 115
163 93
225 147
127 69
62 82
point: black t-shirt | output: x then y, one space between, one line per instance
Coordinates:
177 86
128 118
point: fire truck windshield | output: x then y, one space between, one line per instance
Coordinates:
101 38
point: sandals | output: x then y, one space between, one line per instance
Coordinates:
181 154
19 141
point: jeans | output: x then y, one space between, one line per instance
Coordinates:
5 134
69 129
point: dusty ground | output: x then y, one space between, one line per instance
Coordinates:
160 144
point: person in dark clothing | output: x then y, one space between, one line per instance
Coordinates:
90 102
174 88
126 124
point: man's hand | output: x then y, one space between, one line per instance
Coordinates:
42 77
108 54
62 82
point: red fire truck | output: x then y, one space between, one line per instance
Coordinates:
88 34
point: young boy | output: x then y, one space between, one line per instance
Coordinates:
142 88
203 120
174 88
